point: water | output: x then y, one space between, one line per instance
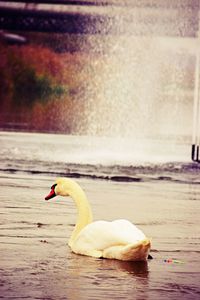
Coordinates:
158 192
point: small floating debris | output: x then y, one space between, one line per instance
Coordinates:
39 224
43 241
174 261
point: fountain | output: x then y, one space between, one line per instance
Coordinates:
142 89
145 85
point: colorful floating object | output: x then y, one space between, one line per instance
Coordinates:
172 260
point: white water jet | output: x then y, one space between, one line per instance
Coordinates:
145 85
141 91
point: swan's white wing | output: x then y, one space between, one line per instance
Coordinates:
101 235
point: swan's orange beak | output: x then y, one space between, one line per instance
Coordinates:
52 193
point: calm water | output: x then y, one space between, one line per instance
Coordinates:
153 184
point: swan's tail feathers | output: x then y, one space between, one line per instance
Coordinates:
137 252
131 252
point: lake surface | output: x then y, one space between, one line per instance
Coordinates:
151 183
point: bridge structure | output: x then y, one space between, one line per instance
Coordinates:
146 17
180 18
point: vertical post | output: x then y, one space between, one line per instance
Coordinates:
196 108
196 111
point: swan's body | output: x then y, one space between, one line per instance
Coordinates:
118 239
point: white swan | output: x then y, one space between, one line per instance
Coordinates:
118 239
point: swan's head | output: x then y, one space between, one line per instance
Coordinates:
62 187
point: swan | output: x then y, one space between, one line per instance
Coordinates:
118 239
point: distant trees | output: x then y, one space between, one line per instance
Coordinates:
40 88
27 77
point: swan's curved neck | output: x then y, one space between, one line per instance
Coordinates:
84 211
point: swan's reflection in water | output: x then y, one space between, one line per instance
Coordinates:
139 269
92 278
